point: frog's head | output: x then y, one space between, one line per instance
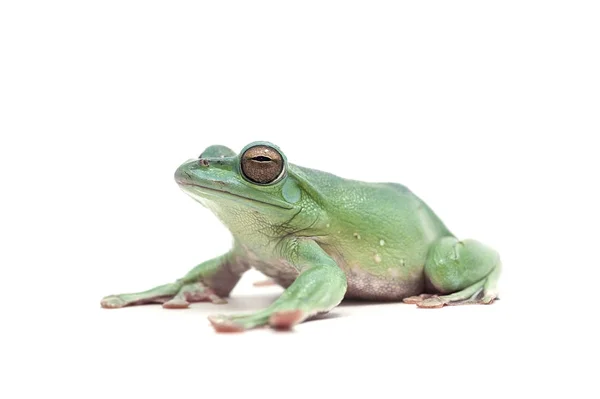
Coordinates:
255 190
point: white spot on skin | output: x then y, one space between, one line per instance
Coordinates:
377 258
381 242
394 272
327 225
357 236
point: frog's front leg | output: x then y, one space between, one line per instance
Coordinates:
462 272
320 286
209 281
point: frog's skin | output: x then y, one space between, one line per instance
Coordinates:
321 237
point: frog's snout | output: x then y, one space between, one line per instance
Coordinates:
182 174
203 168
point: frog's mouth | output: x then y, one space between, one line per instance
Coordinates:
212 191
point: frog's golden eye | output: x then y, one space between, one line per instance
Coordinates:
262 164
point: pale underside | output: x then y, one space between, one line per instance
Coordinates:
361 283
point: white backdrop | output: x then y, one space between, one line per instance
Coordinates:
487 112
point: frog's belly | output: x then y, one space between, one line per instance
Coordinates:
361 284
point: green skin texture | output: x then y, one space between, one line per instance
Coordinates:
323 238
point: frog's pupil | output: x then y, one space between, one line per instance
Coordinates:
261 159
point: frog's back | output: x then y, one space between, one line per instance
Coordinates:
390 208
379 233
389 211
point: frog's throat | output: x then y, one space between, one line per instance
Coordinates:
281 205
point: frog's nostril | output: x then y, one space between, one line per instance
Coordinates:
203 162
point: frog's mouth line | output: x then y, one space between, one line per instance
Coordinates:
183 183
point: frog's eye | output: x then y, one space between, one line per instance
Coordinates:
262 164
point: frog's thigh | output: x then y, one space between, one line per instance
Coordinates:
467 271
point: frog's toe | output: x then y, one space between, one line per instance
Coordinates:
279 320
429 301
413 300
196 292
474 294
286 320
240 322
489 297
176 303
224 324
113 302
433 302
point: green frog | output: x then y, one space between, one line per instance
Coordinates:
321 237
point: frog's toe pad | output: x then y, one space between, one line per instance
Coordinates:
413 300
287 319
112 302
176 304
433 302
223 324
489 298
428 301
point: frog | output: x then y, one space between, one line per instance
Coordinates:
321 237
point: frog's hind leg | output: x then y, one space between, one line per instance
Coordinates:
464 272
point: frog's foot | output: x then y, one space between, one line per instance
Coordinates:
467 271
482 292
316 290
280 320
172 296
196 292
413 300
470 295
